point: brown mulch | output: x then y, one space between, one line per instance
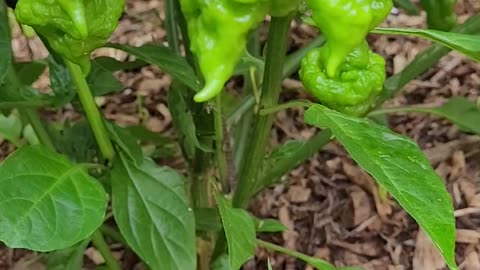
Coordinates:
332 209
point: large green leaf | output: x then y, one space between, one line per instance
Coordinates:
398 164
5 42
239 229
464 43
46 202
152 213
165 59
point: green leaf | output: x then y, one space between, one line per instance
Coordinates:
398 164
61 82
408 6
11 128
318 263
76 140
315 262
101 80
165 59
126 142
69 258
151 209
239 230
112 64
269 266
458 110
29 72
288 156
464 43
269 225
5 42
46 202
15 94
186 119
462 112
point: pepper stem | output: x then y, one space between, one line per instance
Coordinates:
91 110
255 151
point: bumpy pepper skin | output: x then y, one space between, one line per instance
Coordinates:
345 24
73 28
218 31
355 90
440 14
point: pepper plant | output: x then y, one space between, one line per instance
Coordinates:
69 185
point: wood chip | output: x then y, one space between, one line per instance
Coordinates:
465 236
426 255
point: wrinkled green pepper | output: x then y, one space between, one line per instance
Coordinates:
355 89
218 31
73 28
345 74
440 14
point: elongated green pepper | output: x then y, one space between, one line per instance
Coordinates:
440 14
73 28
345 74
218 32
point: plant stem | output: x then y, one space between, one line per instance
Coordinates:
255 151
102 247
400 110
34 119
287 105
171 25
113 234
91 110
219 144
243 124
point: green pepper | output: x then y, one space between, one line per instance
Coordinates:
73 28
218 31
345 74
354 91
440 14
345 24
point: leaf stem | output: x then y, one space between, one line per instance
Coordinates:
292 253
91 110
312 146
113 234
219 144
287 105
171 25
255 151
102 247
34 119
400 110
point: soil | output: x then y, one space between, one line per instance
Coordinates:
333 210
